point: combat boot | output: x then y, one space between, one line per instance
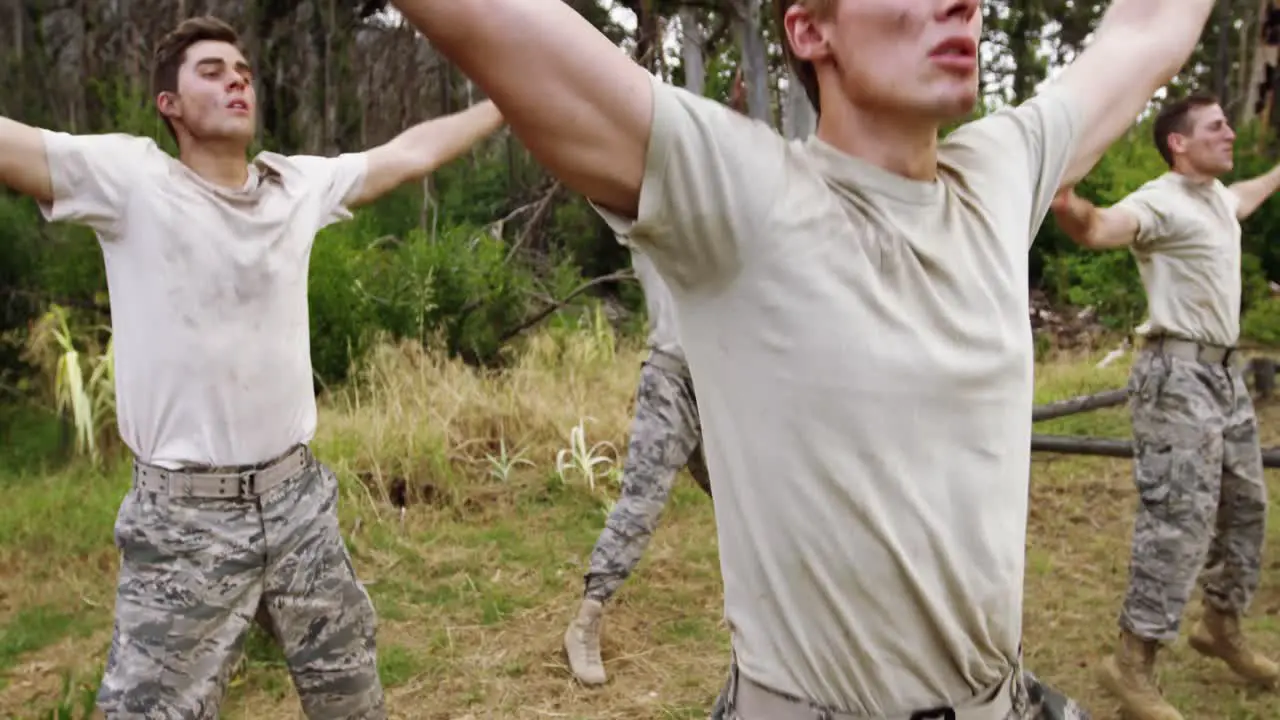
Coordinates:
582 643
1129 675
1218 635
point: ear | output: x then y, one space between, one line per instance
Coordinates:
1177 142
168 105
807 36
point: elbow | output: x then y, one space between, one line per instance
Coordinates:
1090 238
1090 242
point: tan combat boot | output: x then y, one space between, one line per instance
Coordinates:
1218 635
1129 675
582 643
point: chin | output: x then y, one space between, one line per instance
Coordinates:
955 108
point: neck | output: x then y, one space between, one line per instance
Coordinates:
903 145
220 163
1192 175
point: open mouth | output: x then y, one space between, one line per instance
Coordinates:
238 105
956 48
957 55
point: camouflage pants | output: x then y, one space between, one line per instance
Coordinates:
665 436
1033 700
195 571
1202 501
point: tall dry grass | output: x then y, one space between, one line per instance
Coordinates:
562 410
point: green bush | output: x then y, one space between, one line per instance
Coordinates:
1261 323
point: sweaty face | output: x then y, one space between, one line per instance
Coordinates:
1208 149
913 57
215 101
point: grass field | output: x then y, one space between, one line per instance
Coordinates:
475 581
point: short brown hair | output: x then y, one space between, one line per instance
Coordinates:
1173 119
171 52
802 68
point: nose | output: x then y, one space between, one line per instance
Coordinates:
963 10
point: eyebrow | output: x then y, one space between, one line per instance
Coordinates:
240 65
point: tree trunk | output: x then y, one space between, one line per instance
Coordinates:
1262 66
798 116
695 65
755 61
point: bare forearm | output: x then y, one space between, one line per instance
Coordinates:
416 152
580 106
431 144
1255 191
1096 228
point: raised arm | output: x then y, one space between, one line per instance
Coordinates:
1092 227
1254 191
580 105
1138 47
418 151
23 164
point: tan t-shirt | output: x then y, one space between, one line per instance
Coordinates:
664 334
1188 253
208 291
864 366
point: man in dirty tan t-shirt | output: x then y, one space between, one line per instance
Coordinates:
230 516
1197 462
853 308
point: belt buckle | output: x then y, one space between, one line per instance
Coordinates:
244 482
938 713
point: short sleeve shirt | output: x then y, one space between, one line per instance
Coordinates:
1188 254
208 291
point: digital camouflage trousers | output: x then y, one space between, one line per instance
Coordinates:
1032 700
665 437
1202 501
194 572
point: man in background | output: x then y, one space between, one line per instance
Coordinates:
665 437
1202 499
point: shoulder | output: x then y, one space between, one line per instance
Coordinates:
1228 196
1037 135
312 169
290 167
1050 116
1157 191
681 117
141 152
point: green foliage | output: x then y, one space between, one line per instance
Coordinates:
459 289
1261 323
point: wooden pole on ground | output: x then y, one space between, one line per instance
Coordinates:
1077 405
1112 447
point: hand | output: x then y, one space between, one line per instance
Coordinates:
1062 199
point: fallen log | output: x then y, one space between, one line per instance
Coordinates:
1077 405
1108 447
